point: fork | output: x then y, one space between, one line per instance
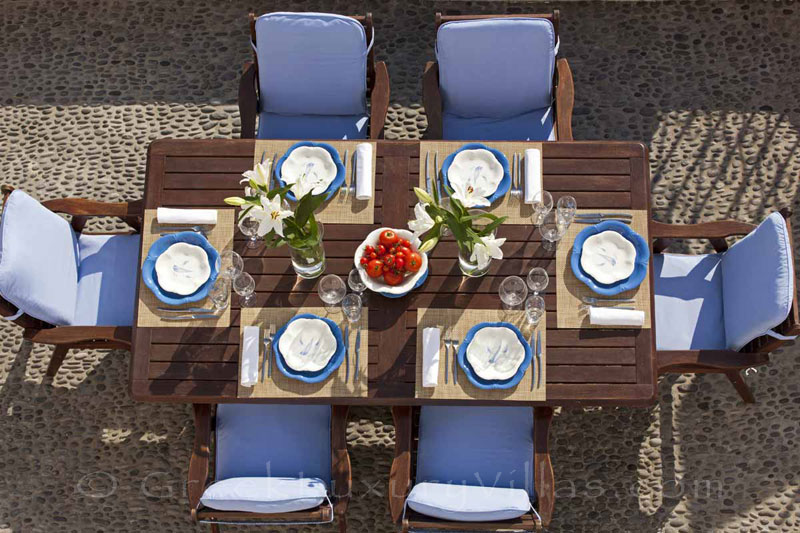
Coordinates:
454 344
353 174
515 191
446 343
594 301
267 345
345 189
178 229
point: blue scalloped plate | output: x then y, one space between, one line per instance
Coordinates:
640 263
310 377
335 184
157 248
488 384
505 183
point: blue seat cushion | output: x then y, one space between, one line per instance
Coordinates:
476 446
466 503
688 302
311 63
757 282
262 440
107 277
500 68
536 125
274 126
264 494
38 260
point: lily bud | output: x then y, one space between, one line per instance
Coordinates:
423 196
235 200
428 245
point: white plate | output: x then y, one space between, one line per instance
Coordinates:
313 164
182 268
477 168
307 344
495 353
608 257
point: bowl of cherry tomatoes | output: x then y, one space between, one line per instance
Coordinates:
390 263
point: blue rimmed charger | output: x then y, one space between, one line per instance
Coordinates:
505 183
489 384
337 180
310 377
159 247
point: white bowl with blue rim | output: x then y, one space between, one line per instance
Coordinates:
319 160
410 282
188 260
308 348
494 355
461 165
610 258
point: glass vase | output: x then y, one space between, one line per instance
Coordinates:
468 267
309 261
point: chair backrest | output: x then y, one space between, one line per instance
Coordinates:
496 67
757 282
480 446
38 260
311 63
257 440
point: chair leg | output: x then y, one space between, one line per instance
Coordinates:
741 387
342 524
215 528
59 352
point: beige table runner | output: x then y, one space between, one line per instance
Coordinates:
461 320
570 289
220 236
338 210
515 209
280 386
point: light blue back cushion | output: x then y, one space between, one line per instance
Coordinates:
757 282
107 280
38 260
274 126
496 67
257 440
311 63
480 446
534 126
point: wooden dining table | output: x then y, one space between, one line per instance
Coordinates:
583 366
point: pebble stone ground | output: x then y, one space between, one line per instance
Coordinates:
709 86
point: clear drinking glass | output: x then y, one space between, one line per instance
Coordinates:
219 293
230 264
552 229
331 289
351 306
356 284
538 280
513 291
245 286
534 309
542 204
249 228
566 208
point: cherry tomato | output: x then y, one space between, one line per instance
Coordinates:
392 278
400 263
364 260
381 249
368 249
388 237
406 243
389 259
373 255
414 262
375 268
405 250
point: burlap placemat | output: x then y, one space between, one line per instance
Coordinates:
220 236
517 211
280 386
338 210
570 289
461 320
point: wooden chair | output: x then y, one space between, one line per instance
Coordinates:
563 87
201 473
404 466
67 337
377 86
722 361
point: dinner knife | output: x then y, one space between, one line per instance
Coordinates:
436 176
538 359
346 352
191 317
604 215
598 220
532 344
185 310
358 349
427 172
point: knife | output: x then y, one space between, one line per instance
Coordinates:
436 175
427 172
190 317
358 348
346 352
532 344
272 179
538 359
603 215
598 220
186 310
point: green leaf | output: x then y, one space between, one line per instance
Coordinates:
492 226
306 207
279 191
244 212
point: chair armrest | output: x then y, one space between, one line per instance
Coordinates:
400 475
544 480
93 208
379 101
201 452
565 100
248 101
340 460
718 360
84 334
432 100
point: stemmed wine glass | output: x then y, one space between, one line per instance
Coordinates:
331 289
245 286
566 208
230 265
538 280
552 229
357 284
351 307
534 309
249 228
512 291
542 204
219 293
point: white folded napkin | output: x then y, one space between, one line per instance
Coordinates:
430 356
364 171
533 173
249 356
167 215
608 316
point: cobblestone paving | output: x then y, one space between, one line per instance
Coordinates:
710 87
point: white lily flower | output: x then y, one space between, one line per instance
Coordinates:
422 223
486 250
270 215
469 194
259 174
